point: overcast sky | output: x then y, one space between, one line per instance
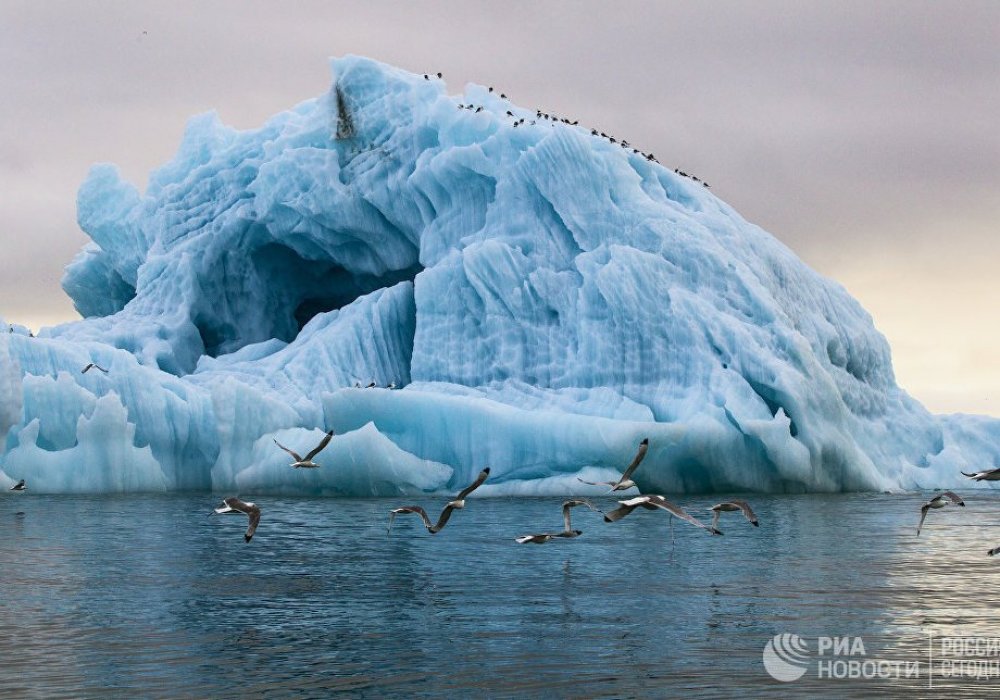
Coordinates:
864 135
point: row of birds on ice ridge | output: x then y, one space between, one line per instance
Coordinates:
544 116
648 502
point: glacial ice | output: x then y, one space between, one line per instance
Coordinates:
543 299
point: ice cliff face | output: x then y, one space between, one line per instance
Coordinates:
544 298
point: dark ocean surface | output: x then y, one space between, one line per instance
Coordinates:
146 596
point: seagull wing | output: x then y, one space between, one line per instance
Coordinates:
319 448
975 476
567 525
473 486
533 539
747 513
443 519
993 551
238 505
410 509
598 483
678 512
954 497
291 452
643 449
621 511
254 513
715 518
572 503
923 514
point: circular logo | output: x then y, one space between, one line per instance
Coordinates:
786 657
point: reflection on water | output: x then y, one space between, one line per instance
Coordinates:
146 595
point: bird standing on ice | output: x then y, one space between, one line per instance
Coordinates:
625 482
306 463
235 505
457 503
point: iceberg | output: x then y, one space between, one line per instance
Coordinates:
540 298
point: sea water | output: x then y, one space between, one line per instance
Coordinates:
149 596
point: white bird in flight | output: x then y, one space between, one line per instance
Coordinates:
733 505
939 501
306 462
235 505
92 365
568 532
457 503
652 502
625 482
19 486
985 475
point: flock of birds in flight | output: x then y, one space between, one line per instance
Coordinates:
553 119
624 482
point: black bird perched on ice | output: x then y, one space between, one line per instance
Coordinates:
939 501
503 96
307 462
92 366
370 386
568 532
491 88
457 503
625 482
19 486
235 505
426 77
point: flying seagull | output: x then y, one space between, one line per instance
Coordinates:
235 505
306 463
568 531
653 502
624 482
986 475
457 503
939 501
728 506
19 486
91 366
